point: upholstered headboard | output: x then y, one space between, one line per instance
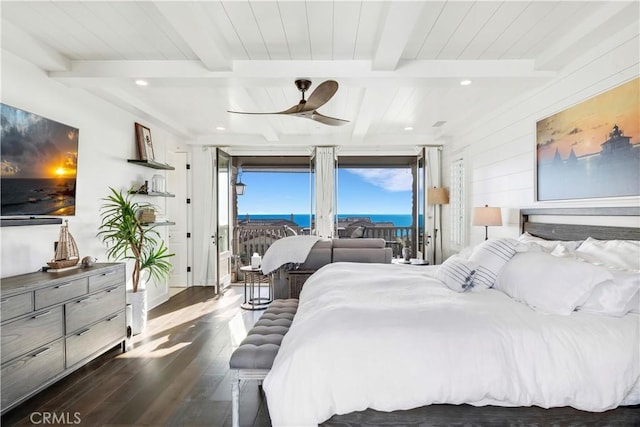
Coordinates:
629 216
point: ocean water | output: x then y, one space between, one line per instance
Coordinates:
38 196
303 219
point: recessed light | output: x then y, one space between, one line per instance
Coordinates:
465 82
221 128
408 128
141 82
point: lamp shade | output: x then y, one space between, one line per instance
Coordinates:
487 216
438 196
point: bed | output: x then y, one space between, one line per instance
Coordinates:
393 337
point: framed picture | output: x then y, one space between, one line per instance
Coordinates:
145 145
592 149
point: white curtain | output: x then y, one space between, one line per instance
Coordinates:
205 216
433 179
325 186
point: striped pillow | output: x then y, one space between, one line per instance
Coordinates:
491 256
457 273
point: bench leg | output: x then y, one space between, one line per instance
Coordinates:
235 400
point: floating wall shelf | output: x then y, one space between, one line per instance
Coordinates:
151 164
152 194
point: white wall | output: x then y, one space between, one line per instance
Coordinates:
499 148
106 141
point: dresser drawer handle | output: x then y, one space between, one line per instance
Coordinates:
40 315
39 352
113 317
82 300
112 289
108 273
64 285
83 332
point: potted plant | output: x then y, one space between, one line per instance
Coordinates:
128 238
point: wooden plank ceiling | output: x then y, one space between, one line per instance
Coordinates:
398 64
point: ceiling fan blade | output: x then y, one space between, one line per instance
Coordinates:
321 95
293 110
331 121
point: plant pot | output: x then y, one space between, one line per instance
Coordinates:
138 301
406 254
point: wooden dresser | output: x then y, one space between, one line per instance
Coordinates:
54 323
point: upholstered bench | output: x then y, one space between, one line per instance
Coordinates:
254 357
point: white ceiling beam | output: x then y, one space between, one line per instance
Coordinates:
190 20
124 99
401 19
25 46
611 17
269 70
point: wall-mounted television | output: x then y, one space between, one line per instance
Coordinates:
38 159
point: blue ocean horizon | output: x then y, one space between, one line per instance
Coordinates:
303 219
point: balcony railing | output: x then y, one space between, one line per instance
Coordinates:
250 239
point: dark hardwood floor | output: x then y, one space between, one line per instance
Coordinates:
177 373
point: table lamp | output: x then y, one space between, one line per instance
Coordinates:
487 216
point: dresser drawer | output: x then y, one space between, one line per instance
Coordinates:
106 279
27 334
16 305
89 309
91 339
21 376
61 292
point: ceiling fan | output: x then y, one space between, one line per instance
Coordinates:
307 108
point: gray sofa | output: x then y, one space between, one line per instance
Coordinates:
347 250
336 250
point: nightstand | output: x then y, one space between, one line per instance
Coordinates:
296 281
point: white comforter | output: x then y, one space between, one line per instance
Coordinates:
392 337
288 249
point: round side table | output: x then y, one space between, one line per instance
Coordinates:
253 280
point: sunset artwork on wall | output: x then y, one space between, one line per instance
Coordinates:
38 159
592 149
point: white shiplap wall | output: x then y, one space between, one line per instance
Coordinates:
499 148
106 141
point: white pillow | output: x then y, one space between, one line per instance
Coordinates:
490 256
457 273
547 245
616 254
550 284
613 296
634 304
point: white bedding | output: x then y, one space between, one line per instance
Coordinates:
288 249
392 337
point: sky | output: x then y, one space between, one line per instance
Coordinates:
35 147
360 191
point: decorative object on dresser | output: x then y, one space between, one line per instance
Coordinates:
130 238
487 216
54 323
66 253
